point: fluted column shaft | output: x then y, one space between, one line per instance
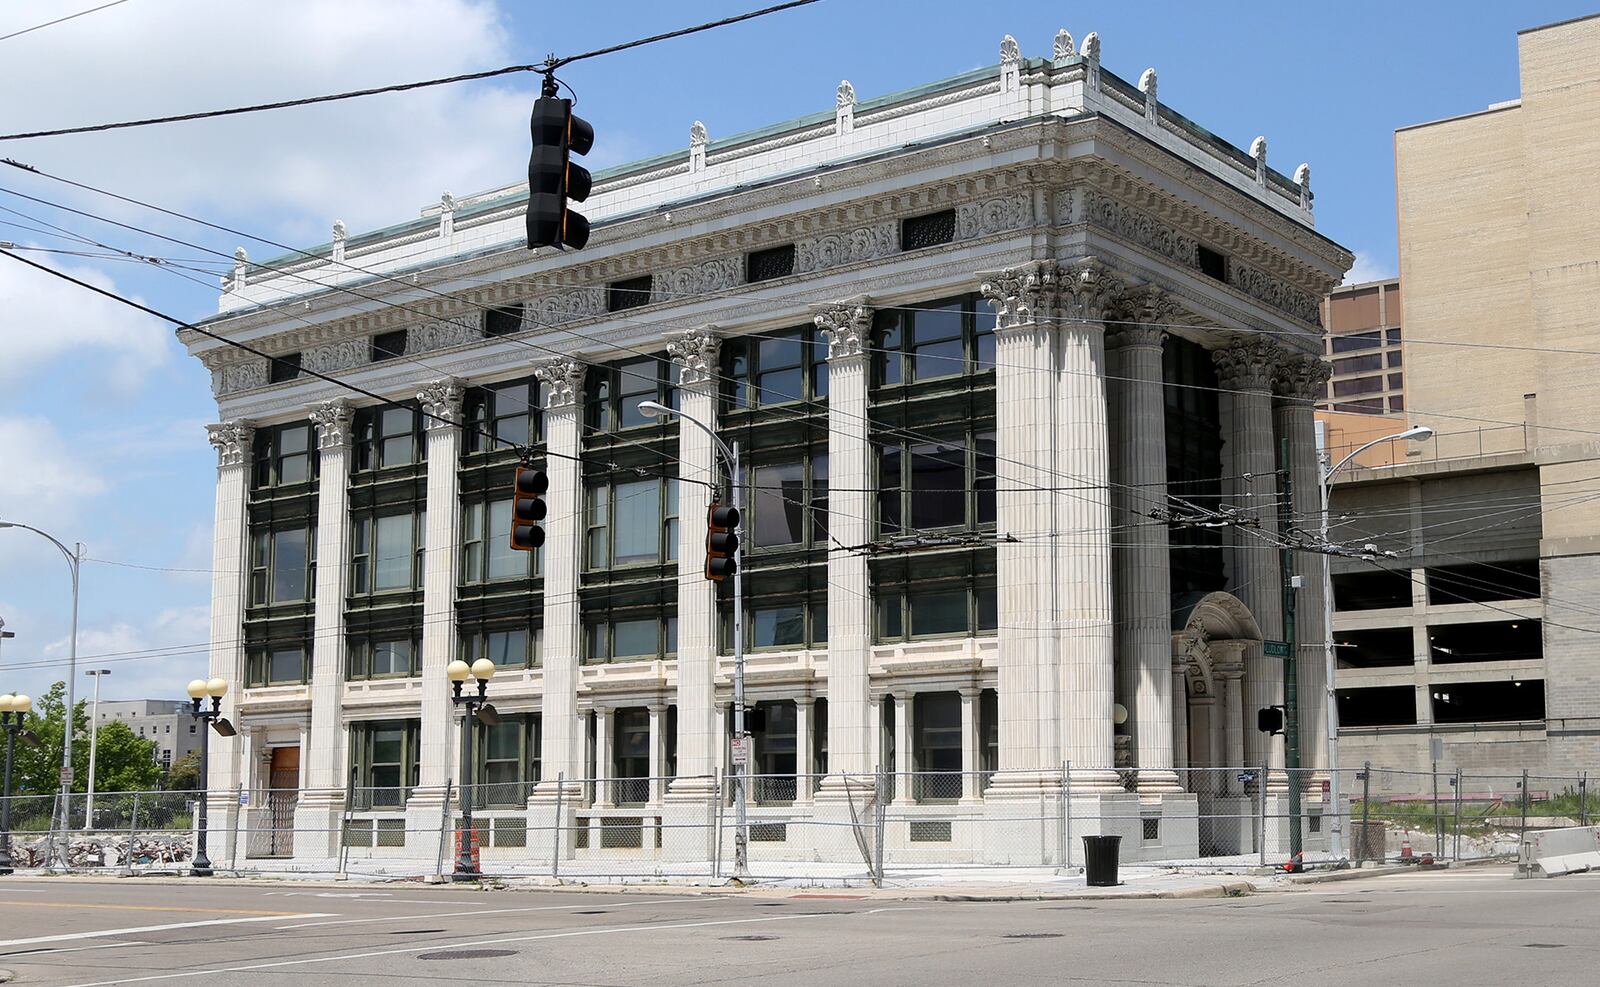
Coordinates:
1250 486
847 327
325 758
699 479
1142 564
437 762
234 442
562 737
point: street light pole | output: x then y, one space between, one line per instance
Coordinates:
741 766
198 690
94 736
12 711
1416 433
466 868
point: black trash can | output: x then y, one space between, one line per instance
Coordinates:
1100 861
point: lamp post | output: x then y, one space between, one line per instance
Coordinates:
741 767
13 710
1416 433
198 690
94 737
74 563
482 670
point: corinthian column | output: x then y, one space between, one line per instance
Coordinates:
1298 384
317 812
1143 587
1244 370
847 327
694 353
234 442
561 740
1083 527
1025 299
441 400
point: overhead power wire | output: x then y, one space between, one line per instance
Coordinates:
60 20
546 66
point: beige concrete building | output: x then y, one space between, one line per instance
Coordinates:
1487 630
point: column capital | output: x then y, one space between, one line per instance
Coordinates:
333 419
1021 296
1300 378
441 400
1146 305
1247 363
846 325
233 441
694 353
563 382
1090 291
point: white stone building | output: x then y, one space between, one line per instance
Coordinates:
966 334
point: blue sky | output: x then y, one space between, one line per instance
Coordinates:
100 410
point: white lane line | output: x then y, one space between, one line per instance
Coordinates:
31 953
539 937
491 911
103 933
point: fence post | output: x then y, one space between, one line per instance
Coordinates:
233 836
1524 830
1261 814
879 817
1066 814
555 848
716 857
444 829
1456 851
1438 833
133 830
1366 809
1583 798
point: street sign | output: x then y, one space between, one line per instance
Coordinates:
244 798
1436 749
66 775
741 751
1246 777
1275 649
1327 786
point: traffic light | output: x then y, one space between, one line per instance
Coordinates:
722 541
1269 719
554 182
527 508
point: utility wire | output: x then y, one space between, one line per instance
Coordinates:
59 20
549 65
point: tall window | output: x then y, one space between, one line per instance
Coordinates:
937 339
282 565
384 655
508 646
776 754
632 522
776 368
616 390
386 552
383 762
486 552
926 486
788 503
284 455
388 436
782 624
508 762
630 756
630 635
932 609
277 663
509 411
936 720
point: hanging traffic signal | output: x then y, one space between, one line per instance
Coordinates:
527 508
554 182
722 542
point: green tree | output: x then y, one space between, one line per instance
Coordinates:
185 773
123 761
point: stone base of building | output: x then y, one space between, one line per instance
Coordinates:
318 828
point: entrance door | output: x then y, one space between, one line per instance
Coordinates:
283 789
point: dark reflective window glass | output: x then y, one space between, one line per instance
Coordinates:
938 485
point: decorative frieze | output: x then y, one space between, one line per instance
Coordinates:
846 326
818 253
441 403
235 377
333 419
437 335
1247 364
333 357
997 215
1129 223
567 306
694 352
233 441
707 277
1279 294
563 382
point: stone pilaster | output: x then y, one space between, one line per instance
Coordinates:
437 762
1083 591
971 742
1227 667
1181 757
562 735
1299 382
694 353
847 327
1249 464
322 801
230 565
1141 570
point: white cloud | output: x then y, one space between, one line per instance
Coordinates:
147 661
370 161
38 471
1368 267
45 319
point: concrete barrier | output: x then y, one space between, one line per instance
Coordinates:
1553 852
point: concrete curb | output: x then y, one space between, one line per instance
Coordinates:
1207 891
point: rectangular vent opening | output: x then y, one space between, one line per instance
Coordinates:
631 293
765 265
927 231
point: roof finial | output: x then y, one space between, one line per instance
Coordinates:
1064 45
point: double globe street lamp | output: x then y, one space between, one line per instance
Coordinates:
475 707
13 710
210 718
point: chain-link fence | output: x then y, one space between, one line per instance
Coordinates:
842 829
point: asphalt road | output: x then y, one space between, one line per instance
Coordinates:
1467 927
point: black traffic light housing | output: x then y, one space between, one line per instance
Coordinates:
722 541
527 508
1269 719
554 182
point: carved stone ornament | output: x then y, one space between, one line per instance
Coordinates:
1089 291
1064 47
1131 224
1247 364
563 381
694 351
566 306
1302 378
1020 295
340 231
441 403
997 215
707 277
847 94
836 249
333 419
1275 292
333 357
1010 53
698 136
233 441
246 376
1147 82
1147 305
1091 46
847 328
438 335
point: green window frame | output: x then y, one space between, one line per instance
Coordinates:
787 504
285 455
381 655
614 391
770 369
951 337
486 552
933 610
387 436
941 485
641 634
509 646
386 551
272 663
512 411
283 563
509 761
383 762
638 516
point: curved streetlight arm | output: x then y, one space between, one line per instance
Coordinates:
72 559
1415 434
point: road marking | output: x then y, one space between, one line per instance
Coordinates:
152 908
539 937
30 953
103 933
481 911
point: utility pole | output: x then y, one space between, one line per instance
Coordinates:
94 738
1291 667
